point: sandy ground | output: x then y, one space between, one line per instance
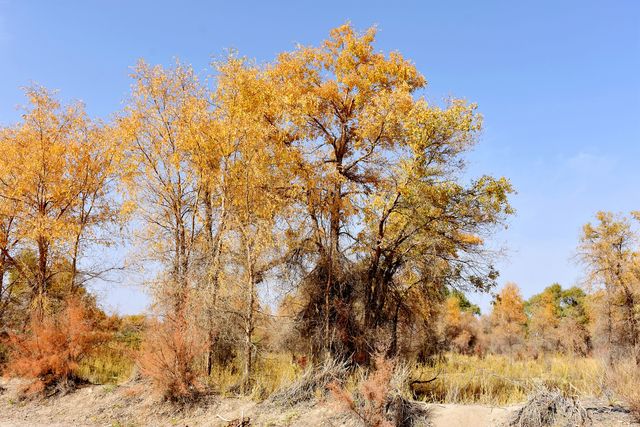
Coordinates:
124 406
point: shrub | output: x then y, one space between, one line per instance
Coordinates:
170 352
369 403
52 351
379 400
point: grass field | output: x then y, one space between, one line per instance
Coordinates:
494 379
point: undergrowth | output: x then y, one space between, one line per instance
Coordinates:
624 380
500 380
493 380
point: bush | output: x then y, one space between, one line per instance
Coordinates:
379 399
369 403
170 352
315 379
52 351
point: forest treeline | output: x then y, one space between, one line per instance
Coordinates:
321 177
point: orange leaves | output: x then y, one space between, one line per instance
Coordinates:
169 357
372 401
51 353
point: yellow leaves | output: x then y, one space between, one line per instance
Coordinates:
469 239
442 133
452 312
508 309
50 160
127 208
608 247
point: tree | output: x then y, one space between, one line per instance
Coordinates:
508 320
544 319
346 104
7 242
379 184
461 328
558 320
608 249
57 173
258 175
158 128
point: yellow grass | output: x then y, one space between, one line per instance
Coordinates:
272 370
624 379
492 380
500 380
112 365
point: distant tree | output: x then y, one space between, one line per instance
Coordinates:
508 320
557 320
465 304
608 248
461 327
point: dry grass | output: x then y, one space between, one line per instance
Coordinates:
272 372
112 364
312 382
624 379
500 380
492 380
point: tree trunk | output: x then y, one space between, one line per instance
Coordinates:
249 321
632 323
41 284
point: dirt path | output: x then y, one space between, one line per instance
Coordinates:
470 415
124 406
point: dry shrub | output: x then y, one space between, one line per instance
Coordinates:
314 379
378 400
624 379
51 353
169 356
369 403
550 408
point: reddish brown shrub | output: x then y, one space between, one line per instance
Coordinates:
53 349
370 402
170 352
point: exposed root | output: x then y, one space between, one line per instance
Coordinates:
550 408
314 378
407 413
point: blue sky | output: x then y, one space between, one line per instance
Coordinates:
558 83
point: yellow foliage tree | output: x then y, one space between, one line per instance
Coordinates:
609 250
378 182
57 171
508 320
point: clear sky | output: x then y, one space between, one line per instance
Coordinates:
558 83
